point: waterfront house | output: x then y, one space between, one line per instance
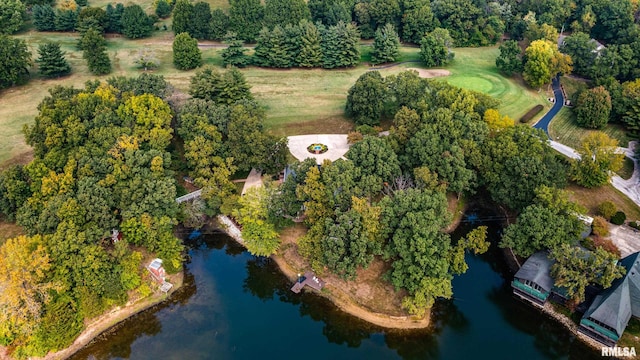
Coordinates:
610 312
156 269
533 281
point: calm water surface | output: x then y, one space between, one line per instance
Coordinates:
236 306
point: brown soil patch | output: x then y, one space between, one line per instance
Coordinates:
330 125
368 297
431 73
9 230
19 159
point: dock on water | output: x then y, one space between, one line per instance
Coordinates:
310 279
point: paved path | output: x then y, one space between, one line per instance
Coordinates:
625 238
630 187
253 180
559 103
336 143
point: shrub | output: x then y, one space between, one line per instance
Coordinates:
606 244
618 218
531 113
353 137
607 209
600 226
368 130
634 224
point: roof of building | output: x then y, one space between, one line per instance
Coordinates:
155 264
615 305
537 269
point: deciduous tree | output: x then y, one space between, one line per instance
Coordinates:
544 61
11 16
14 61
575 268
259 235
509 61
598 158
593 107
360 105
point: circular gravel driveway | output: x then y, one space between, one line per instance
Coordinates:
336 144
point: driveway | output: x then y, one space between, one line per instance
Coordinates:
336 143
625 238
559 103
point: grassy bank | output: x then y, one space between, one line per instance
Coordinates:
564 129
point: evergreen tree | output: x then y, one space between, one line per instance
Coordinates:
385 45
271 49
114 15
219 25
183 17
186 54
66 20
163 9
245 18
135 22
95 52
44 18
234 53
310 54
201 22
340 46
283 12
51 62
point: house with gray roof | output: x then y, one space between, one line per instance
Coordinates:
533 281
610 312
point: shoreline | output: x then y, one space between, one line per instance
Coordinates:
342 301
108 320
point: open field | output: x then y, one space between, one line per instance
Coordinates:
592 198
475 69
564 129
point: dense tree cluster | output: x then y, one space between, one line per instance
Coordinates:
223 132
130 20
100 162
387 198
308 45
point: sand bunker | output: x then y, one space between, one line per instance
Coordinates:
431 73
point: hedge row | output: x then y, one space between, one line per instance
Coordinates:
531 113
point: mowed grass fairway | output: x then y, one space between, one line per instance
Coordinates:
475 69
298 101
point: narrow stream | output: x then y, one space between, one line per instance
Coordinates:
237 306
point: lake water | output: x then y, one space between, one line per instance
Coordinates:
237 306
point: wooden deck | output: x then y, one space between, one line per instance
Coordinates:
309 279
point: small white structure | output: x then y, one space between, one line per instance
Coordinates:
156 269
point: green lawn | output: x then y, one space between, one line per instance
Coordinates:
298 101
474 68
564 129
149 7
